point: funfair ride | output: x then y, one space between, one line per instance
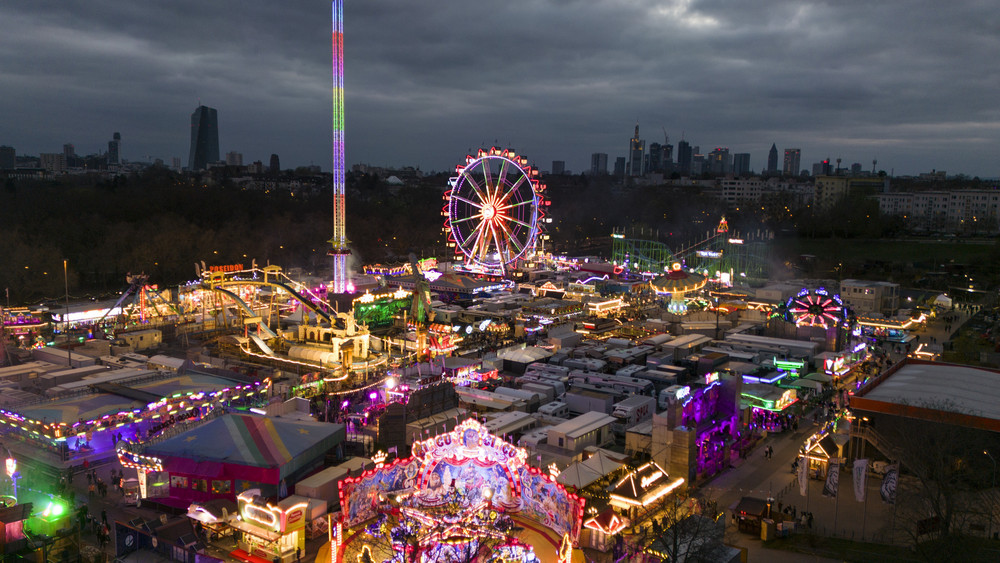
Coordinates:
494 211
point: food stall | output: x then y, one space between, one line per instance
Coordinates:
270 531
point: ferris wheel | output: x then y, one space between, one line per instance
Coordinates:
494 210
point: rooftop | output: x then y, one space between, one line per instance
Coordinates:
581 425
937 387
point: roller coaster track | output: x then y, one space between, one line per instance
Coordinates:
245 309
270 277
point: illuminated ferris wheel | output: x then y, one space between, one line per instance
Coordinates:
815 308
494 210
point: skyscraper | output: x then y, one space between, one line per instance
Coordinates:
683 157
719 161
234 158
772 160
274 167
792 162
636 148
558 167
114 149
741 163
619 167
599 164
69 151
204 138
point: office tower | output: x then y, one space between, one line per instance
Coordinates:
599 164
204 138
772 160
275 165
741 163
856 169
114 149
620 167
668 154
339 250
558 167
175 163
8 158
792 162
654 160
636 149
234 158
69 151
719 161
683 157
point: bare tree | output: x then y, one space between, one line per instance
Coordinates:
945 498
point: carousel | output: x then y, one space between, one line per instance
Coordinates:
677 283
462 496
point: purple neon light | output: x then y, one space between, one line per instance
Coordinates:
339 241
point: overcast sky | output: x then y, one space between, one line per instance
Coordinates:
913 83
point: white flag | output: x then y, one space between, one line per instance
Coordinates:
803 475
860 479
888 489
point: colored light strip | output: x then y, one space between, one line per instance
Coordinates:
339 240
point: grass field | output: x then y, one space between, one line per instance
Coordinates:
899 251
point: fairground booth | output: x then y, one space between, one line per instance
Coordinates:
465 495
235 453
273 531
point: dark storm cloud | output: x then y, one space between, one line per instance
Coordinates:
909 82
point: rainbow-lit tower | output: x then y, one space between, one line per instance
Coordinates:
339 240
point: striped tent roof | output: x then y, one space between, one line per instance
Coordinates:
247 440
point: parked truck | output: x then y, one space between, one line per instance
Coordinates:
632 411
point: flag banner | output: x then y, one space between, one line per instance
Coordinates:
803 475
860 479
888 488
832 485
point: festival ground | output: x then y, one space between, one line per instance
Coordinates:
544 542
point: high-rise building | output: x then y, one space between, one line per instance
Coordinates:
114 149
792 163
620 167
175 162
558 167
234 158
772 160
654 160
599 164
204 138
741 163
275 165
8 158
719 161
636 149
54 162
683 157
69 151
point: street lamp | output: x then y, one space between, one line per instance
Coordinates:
987 452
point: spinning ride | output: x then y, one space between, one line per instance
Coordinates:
494 210
815 307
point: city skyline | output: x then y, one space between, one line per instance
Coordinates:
910 87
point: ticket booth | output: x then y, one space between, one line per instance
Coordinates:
269 531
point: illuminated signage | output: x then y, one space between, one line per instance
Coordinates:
708 254
226 268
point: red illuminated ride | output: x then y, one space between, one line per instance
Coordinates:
815 307
494 210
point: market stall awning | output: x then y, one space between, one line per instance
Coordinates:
256 531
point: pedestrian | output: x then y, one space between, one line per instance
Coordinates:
104 516
810 520
90 478
91 488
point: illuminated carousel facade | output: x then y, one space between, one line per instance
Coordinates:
462 496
